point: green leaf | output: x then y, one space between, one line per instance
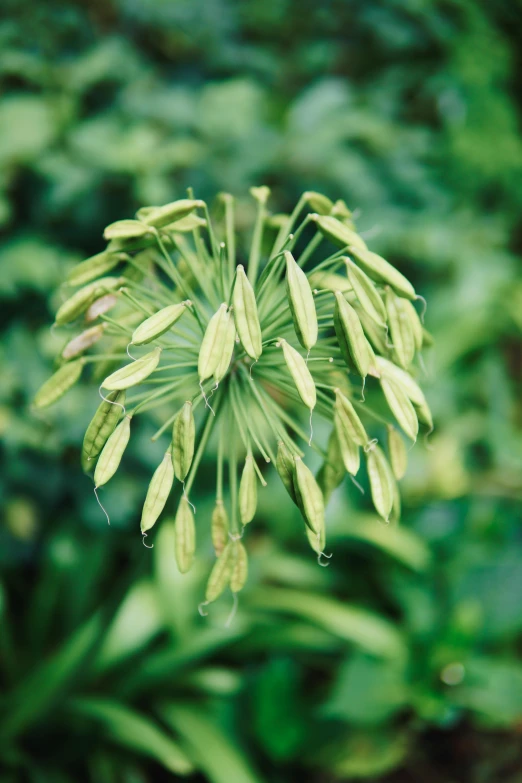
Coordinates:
136 732
214 752
138 620
27 127
399 543
43 687
167 663
492 689
365 755
365 629
368 690
279 718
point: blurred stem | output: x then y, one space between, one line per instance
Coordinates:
221 445
139 305
292 424
287 228
202 444
299 230
99 357
222 268
149 294
247 421
257 238
195 402
230 233
310 248
272 421
161 392
116 324
188 293
233 400
213 240
232 473
201 277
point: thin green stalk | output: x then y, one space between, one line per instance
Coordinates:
177 366
100 357
310 249
295 427
154 295
257 239
237 417
220 457
230 232
232 286
247 420
272 422
232 474
151 397
299 230
195 402
213 241
188 293
333 260
207 429
287 228
135 302
222 269
267 272
199 270
358 405
259 474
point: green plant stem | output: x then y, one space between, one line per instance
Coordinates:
287 228
213 241
100 357
310 249
255 247
220 457
207 429
247 421
232 474
230 233
187 291
139 305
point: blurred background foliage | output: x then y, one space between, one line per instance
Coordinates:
402 660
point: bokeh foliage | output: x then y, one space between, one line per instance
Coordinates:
407 648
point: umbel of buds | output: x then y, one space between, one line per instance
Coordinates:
244 345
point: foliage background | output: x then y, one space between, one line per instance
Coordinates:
400 661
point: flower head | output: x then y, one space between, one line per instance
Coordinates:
247 348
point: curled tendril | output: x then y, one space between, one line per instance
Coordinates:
370 445
207 404
323 554
101 506
111 402
147 546
201 609
424 306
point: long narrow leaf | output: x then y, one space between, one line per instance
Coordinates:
135 732
219 758
135 624
367 630
46 683
398 542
